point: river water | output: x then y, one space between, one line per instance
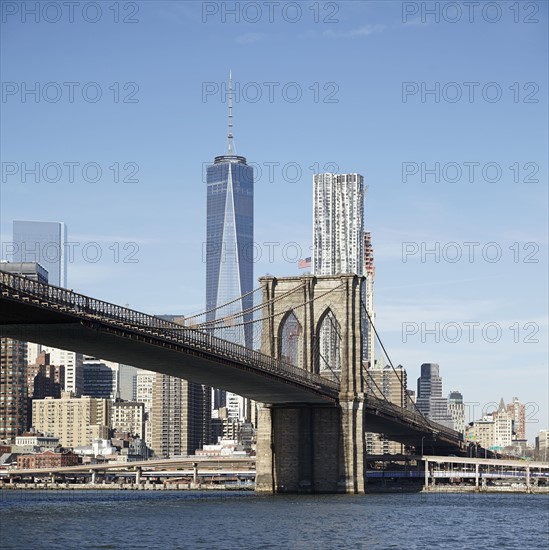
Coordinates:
226 520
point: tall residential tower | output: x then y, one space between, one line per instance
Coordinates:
338 224
338 247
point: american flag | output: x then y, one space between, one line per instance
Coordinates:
302 264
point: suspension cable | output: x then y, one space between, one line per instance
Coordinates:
388 358
317 344
208 324
329 368
223 305
375 383
316 350
272 316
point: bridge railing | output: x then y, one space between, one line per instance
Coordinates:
71 302
68 301
413 416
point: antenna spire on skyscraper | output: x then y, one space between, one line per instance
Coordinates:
230 145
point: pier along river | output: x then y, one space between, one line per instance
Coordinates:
231 520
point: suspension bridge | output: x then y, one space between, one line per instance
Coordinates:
308 374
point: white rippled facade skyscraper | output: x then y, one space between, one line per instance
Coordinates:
338 247
338 224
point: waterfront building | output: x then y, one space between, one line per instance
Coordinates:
13 384
542 445
482 432
43 380
517 411
494 431
48 459
99 446
386 383
503 426
177 416
456 409
429 396
32 442
144 381
128 416
75 420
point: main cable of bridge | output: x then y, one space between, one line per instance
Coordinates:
273 315
222 305
230 318
72 303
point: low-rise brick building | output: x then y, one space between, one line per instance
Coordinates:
47 459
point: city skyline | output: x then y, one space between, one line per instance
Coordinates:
230 260
162 213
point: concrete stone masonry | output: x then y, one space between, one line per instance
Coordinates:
314 448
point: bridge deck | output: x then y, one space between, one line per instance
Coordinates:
37 312
53 316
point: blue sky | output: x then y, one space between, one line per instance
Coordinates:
349 61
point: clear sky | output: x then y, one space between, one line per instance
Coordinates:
340 86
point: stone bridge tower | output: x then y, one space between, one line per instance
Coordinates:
314 323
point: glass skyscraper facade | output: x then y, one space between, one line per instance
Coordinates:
44 243
429 395
230 255
229 245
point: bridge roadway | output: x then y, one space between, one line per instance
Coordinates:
53 316
37 312
203 463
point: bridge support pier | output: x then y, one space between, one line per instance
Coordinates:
138 476
315 447
310 449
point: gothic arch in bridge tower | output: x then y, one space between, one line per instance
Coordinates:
332 302
327 346
290 340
